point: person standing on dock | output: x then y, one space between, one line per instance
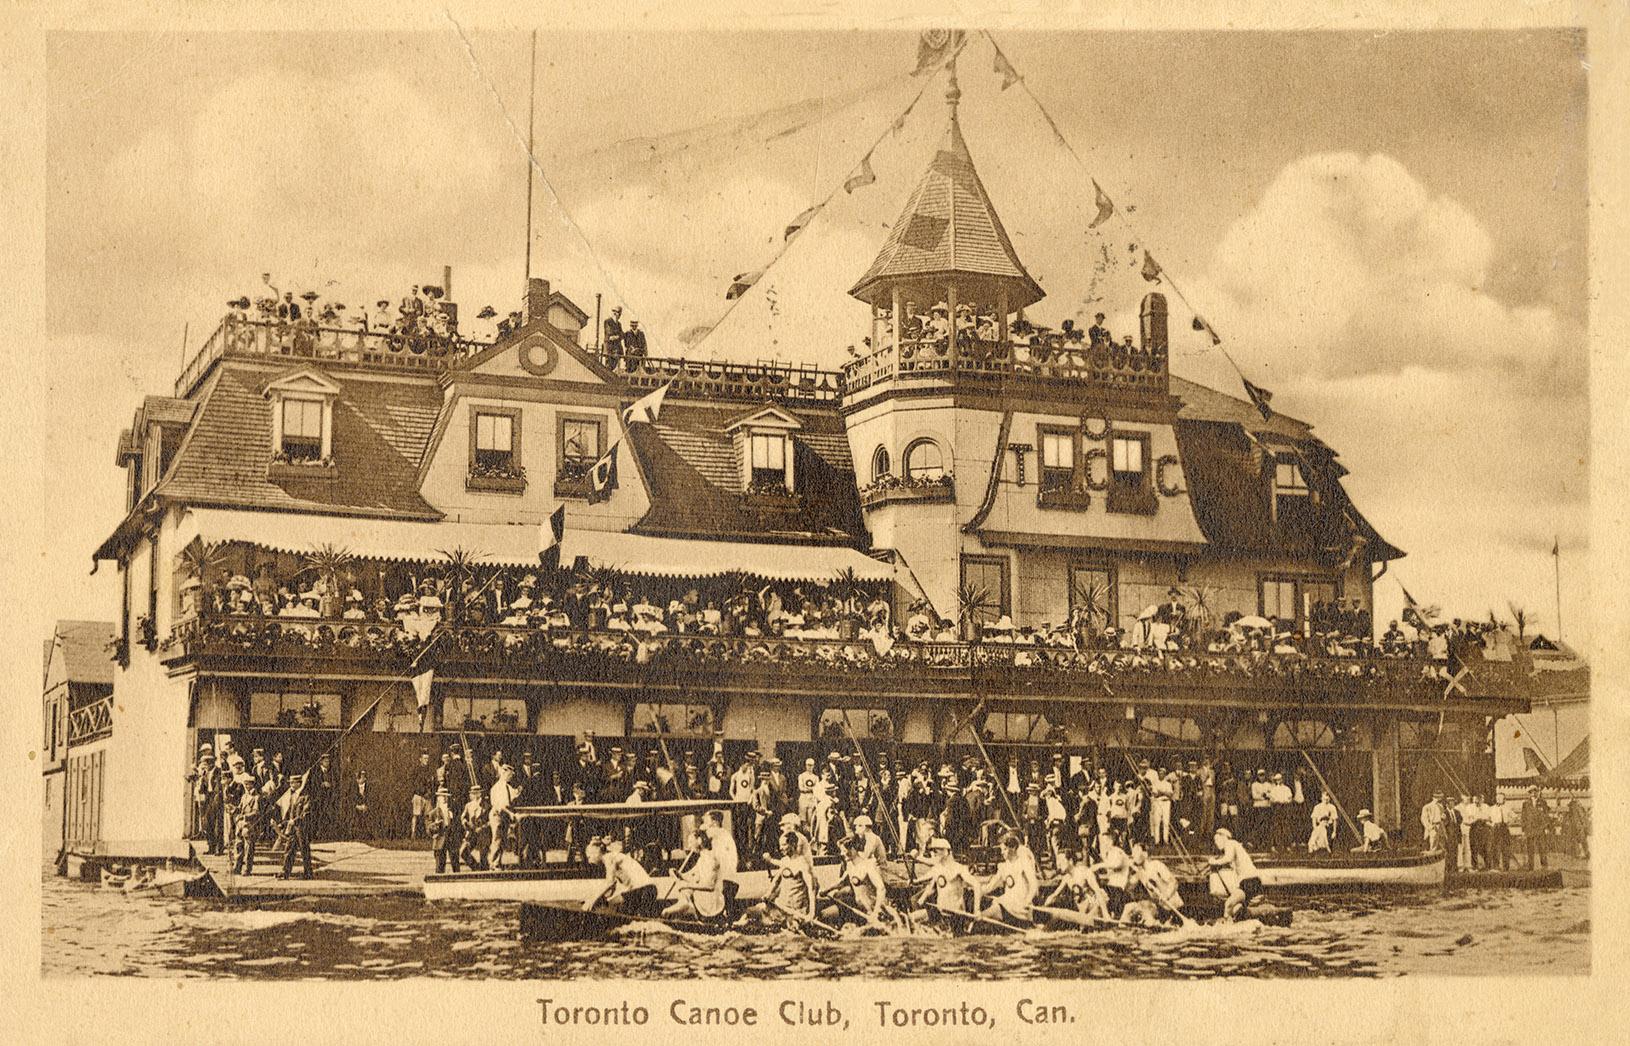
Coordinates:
442 825
1324 826
1534 824
1499 836
296 837
424 788
473 820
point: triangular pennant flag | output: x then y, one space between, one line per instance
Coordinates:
1151 268
863 175
799 222
549 539
1106 207
604 475
1201 325
1005 70
648 407
935 47
1259 398
421 688
742 284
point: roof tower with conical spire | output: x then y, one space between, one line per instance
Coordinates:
949 232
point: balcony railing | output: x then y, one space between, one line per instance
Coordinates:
532 652
90 722
239 336
1049 359
716 379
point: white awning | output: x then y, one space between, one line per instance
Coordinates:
518 545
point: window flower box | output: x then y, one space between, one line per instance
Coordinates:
505 478
283 467
890 488
1063 498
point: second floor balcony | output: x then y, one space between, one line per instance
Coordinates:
836 660
1024 356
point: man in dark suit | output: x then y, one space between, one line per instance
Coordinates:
613 348
320 782
296 834
361 794
634 344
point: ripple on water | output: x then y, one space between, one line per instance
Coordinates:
92 931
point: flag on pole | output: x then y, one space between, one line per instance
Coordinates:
1412 610
1106 207
603 478
1533 761
1005 70
1151 268
549 539
648 407
742 284
863 175
799 222
1259 397
1201 325
1556 546
935 47
421 694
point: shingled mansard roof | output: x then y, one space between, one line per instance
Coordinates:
86 651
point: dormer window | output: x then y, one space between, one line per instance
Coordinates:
764 439
769 453
302 439
1294 502
303 419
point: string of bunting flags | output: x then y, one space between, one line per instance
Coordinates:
1151 269
936 48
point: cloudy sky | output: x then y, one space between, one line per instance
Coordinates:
1387 229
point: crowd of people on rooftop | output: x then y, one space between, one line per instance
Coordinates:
979 330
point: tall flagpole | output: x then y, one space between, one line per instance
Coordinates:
531 132
1556 561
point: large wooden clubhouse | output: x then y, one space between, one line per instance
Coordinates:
973 527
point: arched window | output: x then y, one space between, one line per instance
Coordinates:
880 463
923 460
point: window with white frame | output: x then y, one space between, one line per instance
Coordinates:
1057 448
769 459
494 440
880 463
924 460
303 429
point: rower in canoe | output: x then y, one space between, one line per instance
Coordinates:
792 883
1078 887
859 894
699 888
948 886
626 882
1233 875
1160 902
1011 889
1115 869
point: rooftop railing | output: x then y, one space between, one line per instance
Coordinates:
240 336
1048 358
714 378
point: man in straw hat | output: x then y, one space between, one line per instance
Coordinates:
1372 836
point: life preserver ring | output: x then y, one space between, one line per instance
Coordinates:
1162 463
536 363
1095 428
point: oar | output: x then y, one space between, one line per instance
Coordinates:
1183 919
1068 915
802 918
972 917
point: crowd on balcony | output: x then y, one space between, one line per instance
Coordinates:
979 331
843 625
421 317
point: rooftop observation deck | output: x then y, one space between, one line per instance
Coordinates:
1045 357
607 661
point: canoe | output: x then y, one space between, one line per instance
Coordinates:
554 922
1350 871
574 884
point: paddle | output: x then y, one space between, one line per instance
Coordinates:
1082 919
806 920
1183 919
971 917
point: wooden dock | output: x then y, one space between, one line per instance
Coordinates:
340 869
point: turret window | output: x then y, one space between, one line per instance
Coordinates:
924 461
880 463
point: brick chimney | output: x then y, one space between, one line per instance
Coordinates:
537 298
1154 321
